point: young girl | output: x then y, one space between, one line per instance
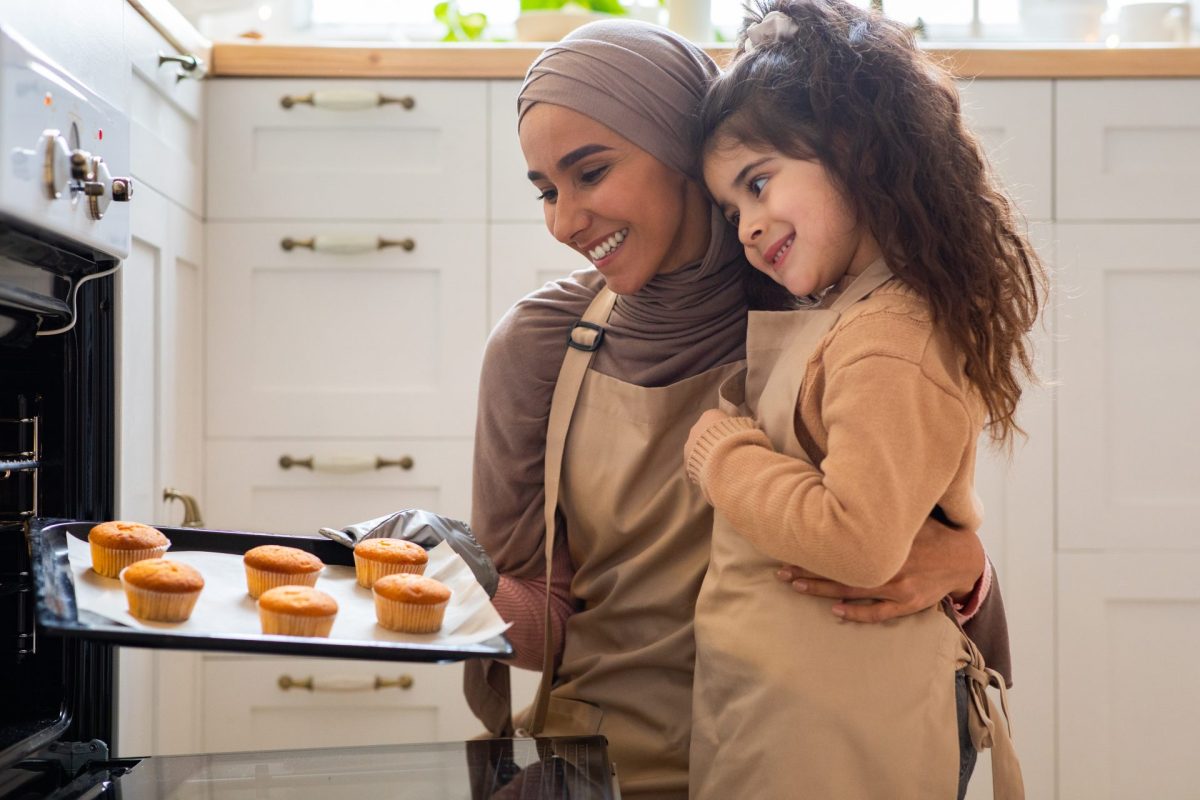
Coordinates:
839 152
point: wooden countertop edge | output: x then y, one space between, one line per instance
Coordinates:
263 60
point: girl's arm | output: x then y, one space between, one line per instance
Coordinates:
896 439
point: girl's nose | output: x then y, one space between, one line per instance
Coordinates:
749 231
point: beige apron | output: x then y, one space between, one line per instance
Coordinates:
790 702
639 537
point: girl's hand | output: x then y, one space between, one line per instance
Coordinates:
943 561
706 421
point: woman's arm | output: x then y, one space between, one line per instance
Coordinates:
522 601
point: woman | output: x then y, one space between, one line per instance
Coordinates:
603 120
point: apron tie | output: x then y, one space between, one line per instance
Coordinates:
1007 782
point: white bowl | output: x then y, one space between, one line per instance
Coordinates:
550 26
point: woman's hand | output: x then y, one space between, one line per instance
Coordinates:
943 561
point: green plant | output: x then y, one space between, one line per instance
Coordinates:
459 27
601 6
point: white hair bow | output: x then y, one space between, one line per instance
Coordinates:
774 27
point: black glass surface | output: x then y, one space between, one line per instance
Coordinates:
504 769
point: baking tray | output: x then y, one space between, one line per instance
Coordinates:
58 614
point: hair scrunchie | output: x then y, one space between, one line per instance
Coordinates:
774 27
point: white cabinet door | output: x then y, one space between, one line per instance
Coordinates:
1128 698
522 256
1128 429
1013 120
385 162
248 489
384 343
351 703
513 198
166 131
1126 149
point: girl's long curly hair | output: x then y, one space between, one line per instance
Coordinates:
852 90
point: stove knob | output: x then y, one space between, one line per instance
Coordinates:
122 190
56 163
81 165
99 189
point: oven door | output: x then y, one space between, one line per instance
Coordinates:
524 769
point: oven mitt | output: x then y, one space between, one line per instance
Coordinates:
428 530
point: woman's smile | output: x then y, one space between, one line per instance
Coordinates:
602 251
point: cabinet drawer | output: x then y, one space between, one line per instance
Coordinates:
523 256
427 162
1127 149
513 197
376 344
167 136
1013 122
249 489
246 708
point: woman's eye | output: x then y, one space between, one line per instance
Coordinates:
757 185
548 196
593 175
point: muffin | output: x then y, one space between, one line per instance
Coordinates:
116 545
161 590
410 603
374 558
272 565
296 611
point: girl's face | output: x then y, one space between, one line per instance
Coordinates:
631 215
793 221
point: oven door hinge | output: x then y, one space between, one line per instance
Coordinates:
73 756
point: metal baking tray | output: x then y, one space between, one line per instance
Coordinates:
58 614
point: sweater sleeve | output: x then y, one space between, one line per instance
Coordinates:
521 601
895 443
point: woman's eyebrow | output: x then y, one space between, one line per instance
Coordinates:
571 158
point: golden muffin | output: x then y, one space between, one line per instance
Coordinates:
116 545
296 611
161 590
271 565
374 558
410 603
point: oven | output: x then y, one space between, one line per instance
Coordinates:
64 229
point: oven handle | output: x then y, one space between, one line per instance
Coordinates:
74 296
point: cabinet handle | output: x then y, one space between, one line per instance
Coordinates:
192 517
345 684
189 65
344 464
346 100
346 244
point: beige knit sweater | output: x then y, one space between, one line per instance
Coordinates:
891 422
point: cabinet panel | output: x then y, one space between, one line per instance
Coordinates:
521 258
382 343
1128 432
1013 119
513 197
1127 705
383 162
166 136
1127 149
248 489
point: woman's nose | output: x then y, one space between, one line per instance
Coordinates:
569 219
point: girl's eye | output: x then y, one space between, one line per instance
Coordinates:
734 219
591 176
757 185
548 196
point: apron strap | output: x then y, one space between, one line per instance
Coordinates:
583 341
1007 782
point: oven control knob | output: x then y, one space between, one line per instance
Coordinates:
99 188
56 163
122 190
81 165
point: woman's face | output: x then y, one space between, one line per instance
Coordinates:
628 213
793 221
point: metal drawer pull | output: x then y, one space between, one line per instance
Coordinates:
343 464
346 100
345 684
189 65
346 244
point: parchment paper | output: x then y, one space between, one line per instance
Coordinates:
224 606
